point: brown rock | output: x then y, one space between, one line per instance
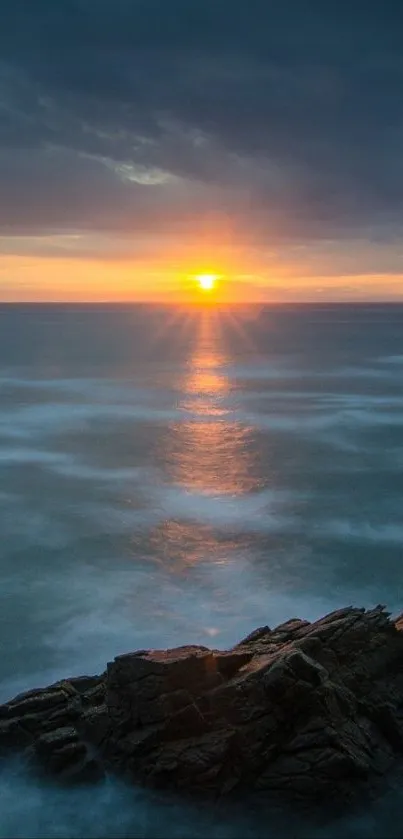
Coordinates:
308 710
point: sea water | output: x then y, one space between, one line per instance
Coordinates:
173 476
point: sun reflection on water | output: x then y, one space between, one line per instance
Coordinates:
210 458
210 452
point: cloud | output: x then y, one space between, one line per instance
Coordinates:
148 114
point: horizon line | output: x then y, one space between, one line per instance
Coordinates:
210 306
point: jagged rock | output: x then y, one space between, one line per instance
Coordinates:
309 710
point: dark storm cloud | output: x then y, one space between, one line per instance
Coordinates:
291 114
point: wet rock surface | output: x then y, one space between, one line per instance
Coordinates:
306 710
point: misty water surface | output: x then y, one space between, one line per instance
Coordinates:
171 477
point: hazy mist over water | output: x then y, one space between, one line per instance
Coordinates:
171 476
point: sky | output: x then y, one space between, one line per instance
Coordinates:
145 141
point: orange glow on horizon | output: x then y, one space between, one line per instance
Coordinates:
166 279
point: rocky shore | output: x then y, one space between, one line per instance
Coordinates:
312 711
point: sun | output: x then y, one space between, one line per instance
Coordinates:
207 281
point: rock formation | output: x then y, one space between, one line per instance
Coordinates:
305 710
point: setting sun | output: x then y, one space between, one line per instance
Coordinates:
206 281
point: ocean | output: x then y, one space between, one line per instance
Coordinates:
173 476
